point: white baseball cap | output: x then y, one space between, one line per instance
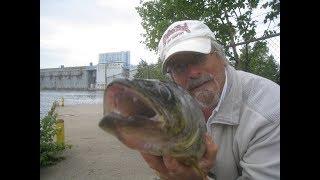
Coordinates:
185 36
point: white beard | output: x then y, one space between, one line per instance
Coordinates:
207 99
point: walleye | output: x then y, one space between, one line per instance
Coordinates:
155 117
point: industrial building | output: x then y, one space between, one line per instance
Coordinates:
82 78
110 66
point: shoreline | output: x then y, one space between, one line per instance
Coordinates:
95 154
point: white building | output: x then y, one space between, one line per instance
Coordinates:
114 57
111 65
107 72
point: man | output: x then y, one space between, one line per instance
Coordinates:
242 110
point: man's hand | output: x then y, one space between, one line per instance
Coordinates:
171 169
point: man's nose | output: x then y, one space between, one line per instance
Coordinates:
193 71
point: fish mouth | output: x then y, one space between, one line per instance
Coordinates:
127 102
132 118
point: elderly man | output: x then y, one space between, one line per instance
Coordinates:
242 110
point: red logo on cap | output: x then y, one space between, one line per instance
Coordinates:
179 27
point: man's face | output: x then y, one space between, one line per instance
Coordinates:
202 75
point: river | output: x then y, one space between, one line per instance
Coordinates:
47 97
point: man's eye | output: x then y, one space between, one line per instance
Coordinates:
179 68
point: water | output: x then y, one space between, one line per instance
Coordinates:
47 97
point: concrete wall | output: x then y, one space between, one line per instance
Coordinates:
82 77
101 74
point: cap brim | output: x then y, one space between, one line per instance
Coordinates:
199 44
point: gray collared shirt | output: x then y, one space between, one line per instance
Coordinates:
210 119
246 128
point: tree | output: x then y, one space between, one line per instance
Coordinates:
142 70
275 10
157 72
257 61
231 21
152 71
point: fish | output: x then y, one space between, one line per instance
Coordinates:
155 117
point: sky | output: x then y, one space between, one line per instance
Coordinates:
74 32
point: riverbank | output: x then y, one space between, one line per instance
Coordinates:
94 153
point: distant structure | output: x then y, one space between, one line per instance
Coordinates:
115 57
132 71
82 78
110 66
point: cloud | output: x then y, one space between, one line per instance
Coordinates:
52 58
74 32
88 12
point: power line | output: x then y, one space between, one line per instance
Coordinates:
253 40
227 46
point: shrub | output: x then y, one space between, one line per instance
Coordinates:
50 151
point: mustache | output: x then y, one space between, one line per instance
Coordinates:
193 83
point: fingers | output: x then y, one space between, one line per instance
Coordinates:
166 167
211 147
155 162
177 170
169 167
208 160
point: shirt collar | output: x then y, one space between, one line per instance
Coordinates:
210 119
229 103
223 93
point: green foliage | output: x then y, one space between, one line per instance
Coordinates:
152 71
274 5
142 70
257 61
158 15
50 151
231 22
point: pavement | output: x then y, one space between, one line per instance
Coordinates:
95 154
